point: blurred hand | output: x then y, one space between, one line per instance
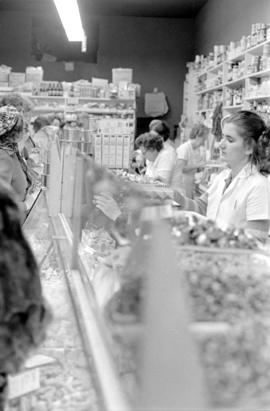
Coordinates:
105 203
179 197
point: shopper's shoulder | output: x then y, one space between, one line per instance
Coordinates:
5 155
183 148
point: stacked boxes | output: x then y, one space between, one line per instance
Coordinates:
112 139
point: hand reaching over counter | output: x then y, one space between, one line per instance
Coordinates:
106 203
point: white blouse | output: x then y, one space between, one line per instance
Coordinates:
162 166
247 198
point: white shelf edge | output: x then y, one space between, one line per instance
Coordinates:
208 90
259 73
263 97
238 106
239 80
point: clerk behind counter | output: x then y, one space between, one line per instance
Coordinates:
240 195
189 159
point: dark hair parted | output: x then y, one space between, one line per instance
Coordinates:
12 135
162 129
23 315
252 128
139 140
152 141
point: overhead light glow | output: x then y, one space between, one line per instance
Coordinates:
69 14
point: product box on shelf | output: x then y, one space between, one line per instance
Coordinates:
122 75
105 149
112 151
119 151
126 151
16 79
4 73
34 74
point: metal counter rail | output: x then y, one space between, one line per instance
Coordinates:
92 324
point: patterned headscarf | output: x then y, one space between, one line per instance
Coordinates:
8 118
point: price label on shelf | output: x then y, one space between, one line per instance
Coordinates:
23 383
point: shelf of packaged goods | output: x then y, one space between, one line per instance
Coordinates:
260 74
236 82
4 90
262 97
100 111
211 69
46 97
111 100
210 89
47 109
258 49
237 57
237 107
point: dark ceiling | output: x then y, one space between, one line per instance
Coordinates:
139 8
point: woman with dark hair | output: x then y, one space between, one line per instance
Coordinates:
39 122
162 128
13 168
240 195
23 315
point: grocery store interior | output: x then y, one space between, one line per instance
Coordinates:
135 205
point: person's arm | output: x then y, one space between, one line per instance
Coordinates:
105 203
259 229
186 168
258 209
199 205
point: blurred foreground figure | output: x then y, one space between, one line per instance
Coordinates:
23 315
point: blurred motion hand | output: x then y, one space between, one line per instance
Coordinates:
107 205
178 197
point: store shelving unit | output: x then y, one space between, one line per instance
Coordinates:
242 85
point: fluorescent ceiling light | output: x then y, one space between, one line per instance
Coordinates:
69 14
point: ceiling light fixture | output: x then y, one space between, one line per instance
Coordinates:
69 14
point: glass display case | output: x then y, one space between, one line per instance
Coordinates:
152 309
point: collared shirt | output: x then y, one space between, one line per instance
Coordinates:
161 167
168 147
247 198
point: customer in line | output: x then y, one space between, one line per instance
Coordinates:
189 159
13 168
240 195
23 313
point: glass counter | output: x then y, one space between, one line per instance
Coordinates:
67 374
